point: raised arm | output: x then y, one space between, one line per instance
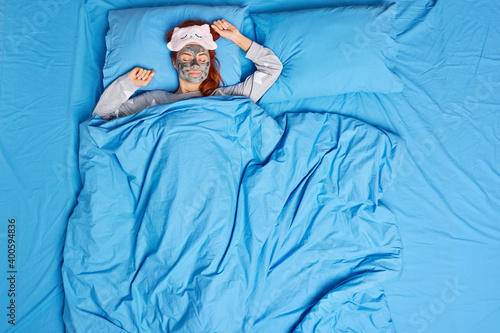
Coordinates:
114 101
268 65
268 70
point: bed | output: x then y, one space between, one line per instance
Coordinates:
431 233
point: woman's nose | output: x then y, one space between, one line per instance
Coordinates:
195 64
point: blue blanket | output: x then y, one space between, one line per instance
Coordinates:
209 215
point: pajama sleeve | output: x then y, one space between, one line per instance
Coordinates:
114 101
268 70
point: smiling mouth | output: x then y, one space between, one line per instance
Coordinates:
195 73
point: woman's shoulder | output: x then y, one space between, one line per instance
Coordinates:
157 96
219 91
160 91
157 92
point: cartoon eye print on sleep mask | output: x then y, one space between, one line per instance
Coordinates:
199 34
194 35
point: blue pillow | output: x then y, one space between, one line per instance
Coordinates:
329 51
136 37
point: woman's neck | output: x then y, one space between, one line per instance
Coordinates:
187 87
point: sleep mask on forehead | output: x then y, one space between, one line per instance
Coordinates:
195 33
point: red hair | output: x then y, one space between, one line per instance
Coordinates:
213 79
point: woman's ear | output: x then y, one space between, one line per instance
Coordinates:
173 63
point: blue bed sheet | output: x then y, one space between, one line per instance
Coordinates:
445 197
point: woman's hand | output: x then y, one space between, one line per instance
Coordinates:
225 29
140 76
229 31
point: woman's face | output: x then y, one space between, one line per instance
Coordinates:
193 63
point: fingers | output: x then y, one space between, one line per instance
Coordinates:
134 71
141 74
221 24
144 74
151 75
216 25
141 77
216 28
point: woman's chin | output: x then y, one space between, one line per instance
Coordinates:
192 79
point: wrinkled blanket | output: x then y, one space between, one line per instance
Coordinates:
209 215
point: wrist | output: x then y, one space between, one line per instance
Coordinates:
130 85
242 41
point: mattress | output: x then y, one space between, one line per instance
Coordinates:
444 200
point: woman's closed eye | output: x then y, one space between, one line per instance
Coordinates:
186 57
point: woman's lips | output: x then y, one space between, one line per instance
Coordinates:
195 73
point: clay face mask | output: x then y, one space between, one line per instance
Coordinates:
187 58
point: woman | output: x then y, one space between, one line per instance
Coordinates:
192 44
